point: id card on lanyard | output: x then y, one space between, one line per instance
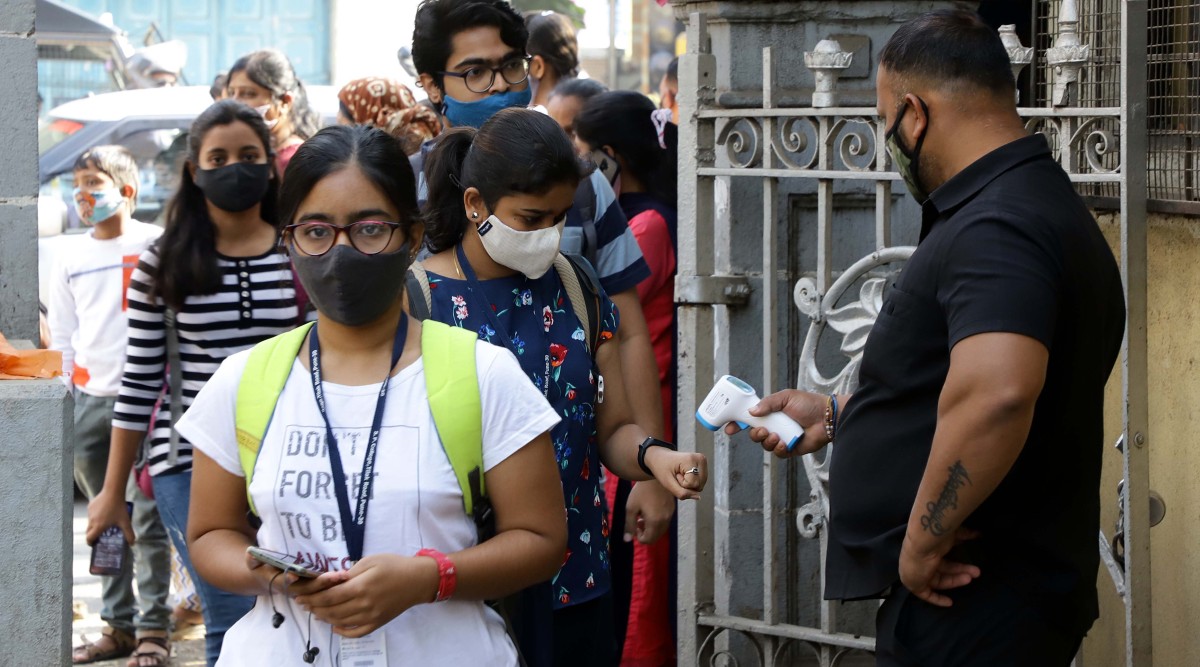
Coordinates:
369 651
354 526
476 288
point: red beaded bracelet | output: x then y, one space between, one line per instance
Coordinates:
447 574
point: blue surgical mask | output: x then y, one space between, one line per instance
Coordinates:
475 114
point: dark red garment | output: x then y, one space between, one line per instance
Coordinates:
649 641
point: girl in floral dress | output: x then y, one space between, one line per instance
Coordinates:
497 200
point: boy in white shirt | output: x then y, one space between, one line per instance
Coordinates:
88 325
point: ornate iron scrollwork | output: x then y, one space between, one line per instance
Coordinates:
853 321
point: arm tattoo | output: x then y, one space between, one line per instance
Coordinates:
948 500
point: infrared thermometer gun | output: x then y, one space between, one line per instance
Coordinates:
730 401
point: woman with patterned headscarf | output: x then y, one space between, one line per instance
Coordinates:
390 106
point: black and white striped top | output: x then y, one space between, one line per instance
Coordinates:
257 300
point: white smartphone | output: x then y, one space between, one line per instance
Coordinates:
283 562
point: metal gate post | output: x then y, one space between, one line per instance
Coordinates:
1139 649
697 88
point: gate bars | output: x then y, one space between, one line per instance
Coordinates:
827 144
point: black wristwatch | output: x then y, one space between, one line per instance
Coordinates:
647 444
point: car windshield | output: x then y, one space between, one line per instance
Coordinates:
52 133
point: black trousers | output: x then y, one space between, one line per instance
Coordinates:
991 624
578 636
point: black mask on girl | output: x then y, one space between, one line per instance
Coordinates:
349 287
236 187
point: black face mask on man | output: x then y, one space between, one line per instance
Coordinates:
349 287
236 187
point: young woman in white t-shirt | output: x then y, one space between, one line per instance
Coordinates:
350 200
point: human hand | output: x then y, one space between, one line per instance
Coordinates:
682 474
925 570
803 407
108 509
648 512
377 589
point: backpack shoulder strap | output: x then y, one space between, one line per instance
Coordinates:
582 284
451 382
174 381
262 381
416 284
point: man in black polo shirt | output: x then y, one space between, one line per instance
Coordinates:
964 488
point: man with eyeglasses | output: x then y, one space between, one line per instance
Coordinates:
471 61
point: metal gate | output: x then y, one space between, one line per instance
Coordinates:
736 159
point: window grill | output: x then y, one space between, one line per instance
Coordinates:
1099 81
1172 91
1173 102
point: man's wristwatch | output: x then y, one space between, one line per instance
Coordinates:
647 444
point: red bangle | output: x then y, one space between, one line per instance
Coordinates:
447 574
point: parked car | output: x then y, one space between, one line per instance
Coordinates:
152 123
149 122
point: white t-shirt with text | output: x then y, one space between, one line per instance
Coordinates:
416 501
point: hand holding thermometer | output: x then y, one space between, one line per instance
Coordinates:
730 401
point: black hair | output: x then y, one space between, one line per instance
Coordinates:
379 156
552 37
584 89
187 249
272 70
219 86
115 161
516 151
950 46
438 21
622 119
673 71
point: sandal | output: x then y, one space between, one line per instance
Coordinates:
113 643
151 652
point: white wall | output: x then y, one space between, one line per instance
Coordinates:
365 37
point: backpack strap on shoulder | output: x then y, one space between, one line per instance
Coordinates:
262 382
416 285
583 289
452 384
174 381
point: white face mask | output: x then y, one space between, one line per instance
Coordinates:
262 111
531 253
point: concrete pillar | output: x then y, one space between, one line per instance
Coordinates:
35 415
18 171
35 525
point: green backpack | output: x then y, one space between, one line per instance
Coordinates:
451 382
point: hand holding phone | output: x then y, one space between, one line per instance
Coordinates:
110 550
284 562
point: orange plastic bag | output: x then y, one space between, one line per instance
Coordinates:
28 364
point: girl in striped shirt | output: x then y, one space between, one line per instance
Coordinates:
218 274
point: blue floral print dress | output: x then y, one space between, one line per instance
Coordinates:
549 342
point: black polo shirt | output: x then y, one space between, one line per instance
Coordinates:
1006 246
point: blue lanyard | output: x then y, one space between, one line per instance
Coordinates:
476 288
355 527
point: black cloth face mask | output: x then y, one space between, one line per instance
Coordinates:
349 287
236 187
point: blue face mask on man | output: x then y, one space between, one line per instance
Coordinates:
475 114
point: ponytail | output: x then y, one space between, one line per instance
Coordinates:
445 216
629 123
664 181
